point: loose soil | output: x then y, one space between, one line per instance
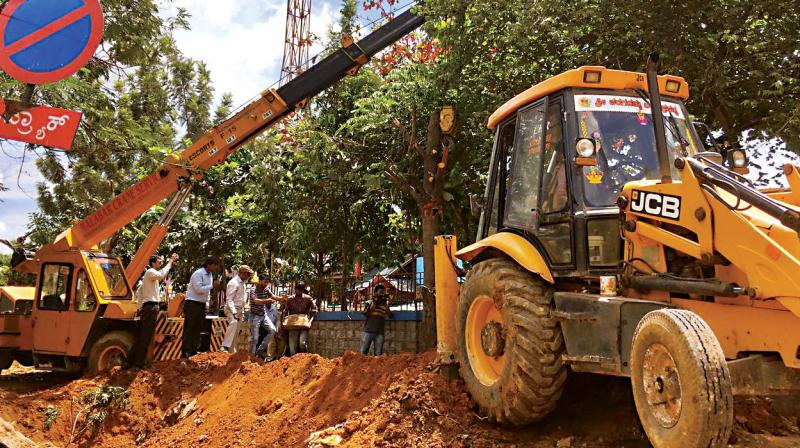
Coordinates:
219 400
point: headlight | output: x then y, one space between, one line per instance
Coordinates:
738 159
585 147
673 86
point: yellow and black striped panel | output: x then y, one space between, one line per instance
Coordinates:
172 331
218 328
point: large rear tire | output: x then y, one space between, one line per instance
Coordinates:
681 383
510 348
113 349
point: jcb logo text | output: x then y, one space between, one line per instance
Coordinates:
656 204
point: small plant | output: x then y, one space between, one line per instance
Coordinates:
95 405
50 415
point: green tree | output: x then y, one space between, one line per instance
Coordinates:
5 268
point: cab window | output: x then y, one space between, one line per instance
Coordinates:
554 176
84 296
622 124
54 294
523 182
109 277
505 141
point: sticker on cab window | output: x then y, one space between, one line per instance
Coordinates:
615 103
593 175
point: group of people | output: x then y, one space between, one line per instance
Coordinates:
262 316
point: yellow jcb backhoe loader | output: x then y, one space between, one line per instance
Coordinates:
612 242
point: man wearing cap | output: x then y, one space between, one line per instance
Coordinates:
235 298
300 303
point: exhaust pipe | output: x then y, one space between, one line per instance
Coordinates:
664 161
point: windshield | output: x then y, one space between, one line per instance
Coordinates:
108 277
623 126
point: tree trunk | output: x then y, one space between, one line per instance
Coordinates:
427 336
434 187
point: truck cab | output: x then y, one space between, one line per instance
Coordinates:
79 297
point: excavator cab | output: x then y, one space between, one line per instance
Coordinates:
613 242
560 162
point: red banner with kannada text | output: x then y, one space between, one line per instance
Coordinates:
39 125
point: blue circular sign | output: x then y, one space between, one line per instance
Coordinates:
44 41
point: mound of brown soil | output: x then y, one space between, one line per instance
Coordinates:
353 401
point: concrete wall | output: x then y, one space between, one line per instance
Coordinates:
331 338
332 334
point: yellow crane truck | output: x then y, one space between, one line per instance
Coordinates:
613 242
82 313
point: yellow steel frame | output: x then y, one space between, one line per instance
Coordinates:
762 256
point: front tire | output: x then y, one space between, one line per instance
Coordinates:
510 348
681 383
113 349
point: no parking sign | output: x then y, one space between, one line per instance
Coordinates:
44 41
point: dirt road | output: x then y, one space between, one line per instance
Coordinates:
353 401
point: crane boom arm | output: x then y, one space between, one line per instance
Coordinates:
228 137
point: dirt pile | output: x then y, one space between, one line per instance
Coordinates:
352 401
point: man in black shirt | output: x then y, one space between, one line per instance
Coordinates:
376 314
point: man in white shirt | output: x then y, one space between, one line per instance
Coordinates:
194 307
235 298
149 297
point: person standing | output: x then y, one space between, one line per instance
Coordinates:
149 299
194 307
269 328
376 314
259 297
300 303
235 298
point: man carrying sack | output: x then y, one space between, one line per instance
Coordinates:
235 298
300 310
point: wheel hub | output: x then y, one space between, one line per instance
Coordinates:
484 339
493 341
112 357
662 385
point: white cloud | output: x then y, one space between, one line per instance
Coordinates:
241 41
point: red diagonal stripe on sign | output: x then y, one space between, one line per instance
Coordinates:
45 31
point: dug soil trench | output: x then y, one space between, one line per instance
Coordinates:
353 401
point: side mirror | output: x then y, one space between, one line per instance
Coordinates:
476 204
586 150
